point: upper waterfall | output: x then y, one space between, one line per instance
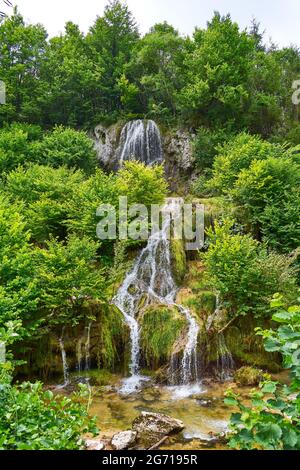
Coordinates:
140 140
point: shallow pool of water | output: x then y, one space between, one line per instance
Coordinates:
200 407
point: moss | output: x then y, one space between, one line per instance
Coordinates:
247 348
178 259
248 375
110 336
160 328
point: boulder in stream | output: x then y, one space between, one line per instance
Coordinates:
94 444
152 427
123 440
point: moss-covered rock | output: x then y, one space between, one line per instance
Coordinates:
247 348
178 259
160 328
248 375
108 345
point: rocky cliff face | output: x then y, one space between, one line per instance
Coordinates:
176 146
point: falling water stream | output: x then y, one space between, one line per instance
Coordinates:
140 140
87 347
151 279
64 362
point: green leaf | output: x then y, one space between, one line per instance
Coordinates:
269 432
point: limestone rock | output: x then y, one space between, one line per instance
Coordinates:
94 444
157 423
123 440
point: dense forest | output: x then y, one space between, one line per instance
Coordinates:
234 99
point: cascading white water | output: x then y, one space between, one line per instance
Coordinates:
140 140
64 362
225 363
79 354
87 347
189 361
151 278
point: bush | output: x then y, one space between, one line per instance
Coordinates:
34 419
45 193
16 143
65 146
244 273
236 155
272 421
205 145
268 195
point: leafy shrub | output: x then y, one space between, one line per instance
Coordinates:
236 155
272 422
268 196
45 194
244 273
66 146
206 144
34 419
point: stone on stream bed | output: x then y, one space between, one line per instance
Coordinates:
94 444
123 440
152 427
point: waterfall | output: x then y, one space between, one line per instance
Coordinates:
151 279
140 140
79 354
225 363
64 361
87 347
189 361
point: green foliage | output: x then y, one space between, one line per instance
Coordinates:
71 80
16 143
237 155
156 69
218 72
206 145
66 146
68 278
21 50
142 184
268 193
244 273
34 419
44 194
273 420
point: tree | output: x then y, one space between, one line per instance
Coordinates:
111 40
45 194
21 52
218 72
270 188
156 70
71 80
236 155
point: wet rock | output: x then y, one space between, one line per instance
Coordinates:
247 375
94 444
157 423
123 440
205 403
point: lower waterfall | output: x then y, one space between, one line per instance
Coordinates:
151 280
